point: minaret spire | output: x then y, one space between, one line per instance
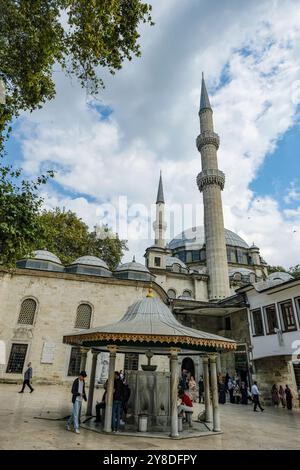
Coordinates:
159 225
204 99
160 192
211 182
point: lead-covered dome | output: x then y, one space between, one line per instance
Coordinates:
43 260
89 265
133 270
194 238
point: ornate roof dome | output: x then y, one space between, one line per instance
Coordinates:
91 261
45 255
194 238
173 260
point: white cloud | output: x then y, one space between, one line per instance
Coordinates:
293 193
154 122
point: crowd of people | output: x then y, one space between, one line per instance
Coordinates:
231 389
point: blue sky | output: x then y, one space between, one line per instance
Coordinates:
146 120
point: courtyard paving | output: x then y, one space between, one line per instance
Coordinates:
33 421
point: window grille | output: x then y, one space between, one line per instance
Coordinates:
74 364
83 316
17 358
131 361
27 312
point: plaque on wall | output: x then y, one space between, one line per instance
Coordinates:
48 353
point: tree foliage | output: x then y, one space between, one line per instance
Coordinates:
68 237
80 36
20 226
275 269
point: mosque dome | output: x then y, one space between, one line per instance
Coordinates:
194 238
90 261
133 270
279 276
46 256
43 260
89 265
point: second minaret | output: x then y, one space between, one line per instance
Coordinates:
211 182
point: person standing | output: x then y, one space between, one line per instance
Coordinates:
281 396
193 389
288 397
201 389
230 390
118 399
78 394
255 395
275 395
27 378
244 393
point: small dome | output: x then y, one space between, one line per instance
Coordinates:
280 276
91 261
45 255
243 271
254 247
132 266
173 260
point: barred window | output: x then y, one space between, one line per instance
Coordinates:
75 360
131 361
83 316
27 312
16 358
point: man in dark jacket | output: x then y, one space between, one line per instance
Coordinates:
101 406
27 378
78 394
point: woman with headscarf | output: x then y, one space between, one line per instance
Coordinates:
244 393
288 397
275 395
281 396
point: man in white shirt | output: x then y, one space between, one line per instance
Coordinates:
255 395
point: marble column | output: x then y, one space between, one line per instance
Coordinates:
89 408
174 391
83 353
110 387
208 409
215 394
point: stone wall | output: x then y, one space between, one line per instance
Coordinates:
275 370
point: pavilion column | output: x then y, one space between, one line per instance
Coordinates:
110 387
174 391
208 409
215 395
89 408
83 354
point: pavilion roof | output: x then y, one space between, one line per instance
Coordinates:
149 321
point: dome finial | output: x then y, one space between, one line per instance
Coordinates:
150 294
133 259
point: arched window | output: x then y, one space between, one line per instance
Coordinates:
176 268
187 293
83 316
171 294
27 312
237 276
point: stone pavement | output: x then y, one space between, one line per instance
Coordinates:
31 421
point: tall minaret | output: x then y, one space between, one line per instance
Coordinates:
159 225
156 255
211 182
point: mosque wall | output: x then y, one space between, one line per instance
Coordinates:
58 296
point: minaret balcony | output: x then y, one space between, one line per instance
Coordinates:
212 176
207 138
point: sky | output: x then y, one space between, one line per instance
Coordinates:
108 152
